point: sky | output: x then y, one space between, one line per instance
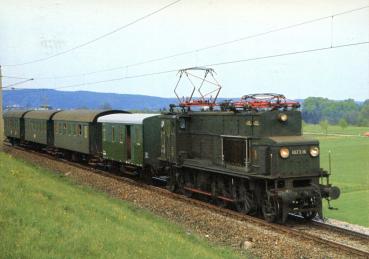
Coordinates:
35 29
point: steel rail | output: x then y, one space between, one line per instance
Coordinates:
340 229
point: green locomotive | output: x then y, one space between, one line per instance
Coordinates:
258 161
249 153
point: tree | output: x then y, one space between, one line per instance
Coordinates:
364 114
324 125
343 123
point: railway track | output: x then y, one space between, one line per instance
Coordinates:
340 229
303 232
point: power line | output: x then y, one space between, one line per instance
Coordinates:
215 64
97 38
17 83
14 77
288 54
209 46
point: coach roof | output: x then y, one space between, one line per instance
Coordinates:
40 114
15 113
133 118
83 115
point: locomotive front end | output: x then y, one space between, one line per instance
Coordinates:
299 184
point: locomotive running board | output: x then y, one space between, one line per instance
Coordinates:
208 194
218 170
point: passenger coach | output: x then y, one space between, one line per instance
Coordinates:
131 138
14 125
39 127
78 130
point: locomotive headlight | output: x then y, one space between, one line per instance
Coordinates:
314 151
284 152
282 117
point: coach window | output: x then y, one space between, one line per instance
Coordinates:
65 128
79 129
112 134
85 129
104 133
121 134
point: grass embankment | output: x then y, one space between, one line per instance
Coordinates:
350 172
44 215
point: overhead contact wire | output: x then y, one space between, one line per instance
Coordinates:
210 46
95 39
217 64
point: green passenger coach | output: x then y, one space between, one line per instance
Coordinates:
14 124
39 127
78 130
131 138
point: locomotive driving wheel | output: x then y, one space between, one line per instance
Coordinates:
270 209
245 202
246 205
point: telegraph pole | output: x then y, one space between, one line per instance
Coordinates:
1 112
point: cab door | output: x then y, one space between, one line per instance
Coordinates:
168 139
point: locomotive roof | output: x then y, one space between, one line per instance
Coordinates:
83 115
15 113
133 118
41 114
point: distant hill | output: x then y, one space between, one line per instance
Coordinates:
83 99
34 98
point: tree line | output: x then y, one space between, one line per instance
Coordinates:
317 109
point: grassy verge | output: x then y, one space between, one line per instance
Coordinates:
350 172
44 215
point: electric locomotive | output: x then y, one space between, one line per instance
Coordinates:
250 154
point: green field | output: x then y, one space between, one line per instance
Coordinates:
350 171
44 215
335 129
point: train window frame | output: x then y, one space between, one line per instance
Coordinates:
112 134
74 129
104 133
121 135
79 129
85 131
243 161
